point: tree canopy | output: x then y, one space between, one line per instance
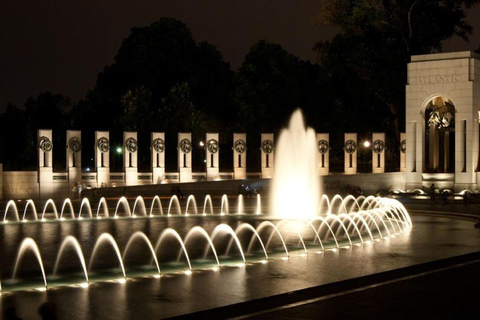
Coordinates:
19 126
377 38
163 80
157 58
366 62
270 84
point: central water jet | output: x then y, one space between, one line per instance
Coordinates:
296 183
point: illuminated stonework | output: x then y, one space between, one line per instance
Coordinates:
350 146
323 146
267 146
403 146
131 145
45 144
378 146
103 144
74 144
240 146
442 103
212 146
185 145
159 145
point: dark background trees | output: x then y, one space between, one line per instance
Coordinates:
162 80
366 62
19 130
269 85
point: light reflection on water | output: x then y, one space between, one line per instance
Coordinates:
49 236
174 294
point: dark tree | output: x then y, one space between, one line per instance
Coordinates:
178 114
156 65
212 87
13 139
270 84
157 58
366 61
47 111
19 130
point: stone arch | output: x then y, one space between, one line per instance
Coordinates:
432 96
438 113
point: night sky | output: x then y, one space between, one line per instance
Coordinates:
61 45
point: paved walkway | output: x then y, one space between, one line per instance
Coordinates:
444 289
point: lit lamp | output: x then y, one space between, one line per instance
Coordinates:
202 144
118 151
366 145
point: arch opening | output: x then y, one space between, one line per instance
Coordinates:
439 120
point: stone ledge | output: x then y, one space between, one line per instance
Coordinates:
445 56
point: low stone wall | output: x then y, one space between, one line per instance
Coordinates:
199 189
24 185
369 183
20 185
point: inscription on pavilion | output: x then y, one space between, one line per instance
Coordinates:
436 79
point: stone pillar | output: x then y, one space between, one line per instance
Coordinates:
185 156
158 157
378 152
45 161
351 150
466 163
74 157
1 180
45 147
130 155
267 149
414 154
323 145
403 150
102 157
239 156
211 156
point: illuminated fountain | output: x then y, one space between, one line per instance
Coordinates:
295 184
123 209
302 221
345 222
348 222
